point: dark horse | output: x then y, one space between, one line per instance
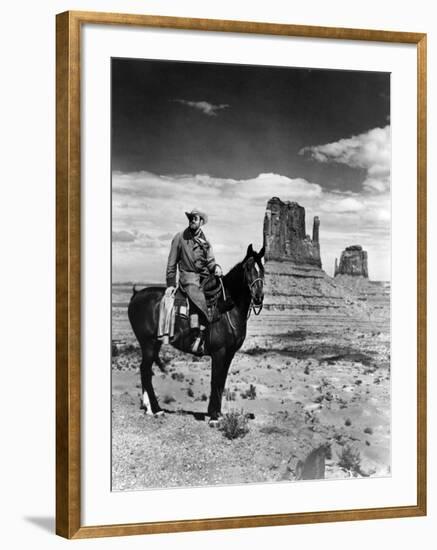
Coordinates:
244 285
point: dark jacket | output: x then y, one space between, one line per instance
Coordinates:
194 257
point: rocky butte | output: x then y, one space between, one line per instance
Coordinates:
294 279
285 235
353 274
353 261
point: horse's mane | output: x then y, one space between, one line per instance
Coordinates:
233 280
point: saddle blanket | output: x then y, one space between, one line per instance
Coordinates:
169 307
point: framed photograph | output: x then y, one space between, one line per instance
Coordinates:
241 274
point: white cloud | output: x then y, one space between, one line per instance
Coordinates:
145 187
337 205
370 151
152 207
122 237
204 107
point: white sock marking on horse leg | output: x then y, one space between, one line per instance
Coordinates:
146 403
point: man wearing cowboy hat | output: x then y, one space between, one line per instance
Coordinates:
192 254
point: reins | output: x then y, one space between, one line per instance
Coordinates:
224 298
252 307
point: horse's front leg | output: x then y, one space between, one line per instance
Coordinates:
220 361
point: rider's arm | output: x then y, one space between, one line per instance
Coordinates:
213 267
210 260
173 259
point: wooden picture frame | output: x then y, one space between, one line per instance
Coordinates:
68 288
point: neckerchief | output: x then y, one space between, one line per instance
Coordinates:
200 239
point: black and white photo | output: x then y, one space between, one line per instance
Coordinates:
251 274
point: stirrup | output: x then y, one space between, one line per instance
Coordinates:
198 346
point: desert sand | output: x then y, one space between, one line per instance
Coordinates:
302 379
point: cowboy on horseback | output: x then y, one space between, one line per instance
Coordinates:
191 254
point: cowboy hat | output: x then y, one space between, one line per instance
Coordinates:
197 212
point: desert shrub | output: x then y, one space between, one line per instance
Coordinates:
234 424
179 376
204 397
190 392
370 370
306 370
348 422
229 395
350 460
249 393
168 399
368 431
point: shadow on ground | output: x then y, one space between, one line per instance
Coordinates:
47 523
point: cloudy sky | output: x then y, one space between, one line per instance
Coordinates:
226 138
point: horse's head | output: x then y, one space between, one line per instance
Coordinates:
254 275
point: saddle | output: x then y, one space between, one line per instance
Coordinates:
211 288
179 305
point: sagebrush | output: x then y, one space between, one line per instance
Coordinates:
234 424
350 460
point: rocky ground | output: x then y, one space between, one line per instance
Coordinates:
302 380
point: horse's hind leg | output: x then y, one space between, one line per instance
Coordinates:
149 400
156 358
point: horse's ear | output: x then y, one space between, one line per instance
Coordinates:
249 251
261 252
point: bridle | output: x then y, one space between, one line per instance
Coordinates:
252 306
256 308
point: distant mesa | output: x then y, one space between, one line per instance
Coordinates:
285 237
353 261
353 274
294 278
295 281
